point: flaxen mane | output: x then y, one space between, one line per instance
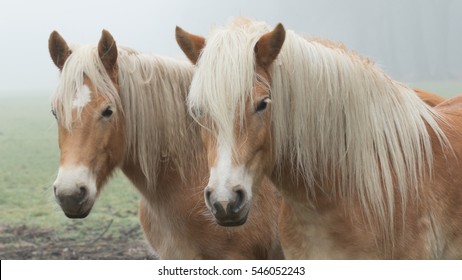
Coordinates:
336 116
150 111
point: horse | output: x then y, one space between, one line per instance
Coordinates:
430 98
118 108
366 169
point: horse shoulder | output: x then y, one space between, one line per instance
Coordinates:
451 105
445 188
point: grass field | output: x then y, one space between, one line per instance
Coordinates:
29 158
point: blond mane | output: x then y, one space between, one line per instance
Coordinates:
335 115
222 98
151 96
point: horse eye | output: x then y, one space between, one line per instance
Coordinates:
53 112
107 112
262 104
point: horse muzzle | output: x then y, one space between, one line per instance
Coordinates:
230 212
75 192
76 204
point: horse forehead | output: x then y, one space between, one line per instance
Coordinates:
86 95
82 97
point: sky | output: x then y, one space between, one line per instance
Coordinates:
412 40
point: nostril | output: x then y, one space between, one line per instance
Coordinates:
54 190
237 205
208 193
208 202
218 210
83 192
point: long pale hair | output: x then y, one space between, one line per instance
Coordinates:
335 116
151 95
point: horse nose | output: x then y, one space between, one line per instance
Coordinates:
223 209
230 212
236 206
71 198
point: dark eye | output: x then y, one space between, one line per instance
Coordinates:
262 104
107 112
53 112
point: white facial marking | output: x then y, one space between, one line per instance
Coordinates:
224 176
82 97
71 178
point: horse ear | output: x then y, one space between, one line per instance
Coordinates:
107 50
59 51
191 44
269 46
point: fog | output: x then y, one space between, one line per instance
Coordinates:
412 40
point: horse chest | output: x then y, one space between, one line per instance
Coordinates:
306 233
306 236
165 235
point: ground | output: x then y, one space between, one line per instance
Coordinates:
24 242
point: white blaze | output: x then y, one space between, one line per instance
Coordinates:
224 176
82 97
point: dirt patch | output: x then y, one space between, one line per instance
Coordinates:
26 243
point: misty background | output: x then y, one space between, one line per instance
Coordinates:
418 42
412 40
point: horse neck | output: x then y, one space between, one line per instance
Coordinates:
161 147
167 186
345 130
336 113
292 185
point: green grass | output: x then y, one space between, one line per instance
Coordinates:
29 159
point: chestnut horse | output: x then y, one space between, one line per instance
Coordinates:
117 108
428 97
366 169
